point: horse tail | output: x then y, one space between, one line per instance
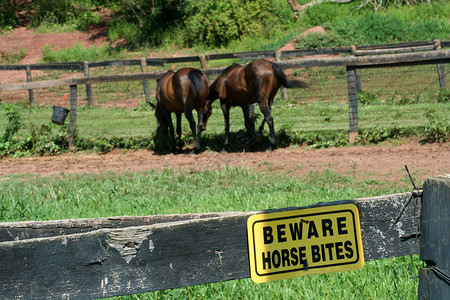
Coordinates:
197 80
287 83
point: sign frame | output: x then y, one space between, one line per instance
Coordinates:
326 217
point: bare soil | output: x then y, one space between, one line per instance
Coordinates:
384 162
380 162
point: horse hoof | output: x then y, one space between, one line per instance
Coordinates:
271 148
224 150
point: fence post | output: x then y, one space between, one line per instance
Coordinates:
202 59
29 79
358 79
358 76
145 82
73 116
440 68
352 103
284 94
435 239
88 85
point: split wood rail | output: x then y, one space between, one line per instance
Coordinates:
104 257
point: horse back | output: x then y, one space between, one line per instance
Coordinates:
166 94
262 78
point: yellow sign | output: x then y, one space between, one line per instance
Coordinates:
308 241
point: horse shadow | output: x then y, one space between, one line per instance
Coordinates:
239 142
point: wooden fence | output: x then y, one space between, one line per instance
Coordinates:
86 66
351 63
103 257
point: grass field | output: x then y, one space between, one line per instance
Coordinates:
29 197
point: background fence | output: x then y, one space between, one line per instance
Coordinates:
327 83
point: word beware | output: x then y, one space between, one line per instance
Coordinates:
310 241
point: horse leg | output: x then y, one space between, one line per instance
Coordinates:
171 130
226 116
249 125
190 118
180 145
265 109
261 127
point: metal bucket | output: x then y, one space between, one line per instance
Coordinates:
59 115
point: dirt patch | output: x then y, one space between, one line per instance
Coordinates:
381 162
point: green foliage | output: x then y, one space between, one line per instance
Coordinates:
346 26
437 128
12 57
217 22
73 14
327 13
12 112
319 40
211 23
46 140
8 18
366 98
443 96
80 53
380 134
52 11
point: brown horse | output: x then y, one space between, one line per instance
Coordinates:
257 82
181 92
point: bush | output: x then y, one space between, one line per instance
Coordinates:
8 17
217 22
319 40
437 129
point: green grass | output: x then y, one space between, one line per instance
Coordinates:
307 117
30 197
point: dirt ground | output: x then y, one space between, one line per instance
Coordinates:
385 162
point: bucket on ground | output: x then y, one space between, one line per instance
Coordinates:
59 115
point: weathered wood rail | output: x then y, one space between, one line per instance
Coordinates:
92 258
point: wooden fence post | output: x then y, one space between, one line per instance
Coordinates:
73 116
29 79
145 82
284 94
202 59
88 85
435 239
358 79
440 68
358 76
352 103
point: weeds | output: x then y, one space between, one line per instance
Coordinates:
12 57
437 128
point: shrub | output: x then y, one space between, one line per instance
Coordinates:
366 98
319 40
8 17
217 22
12 57
437 129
